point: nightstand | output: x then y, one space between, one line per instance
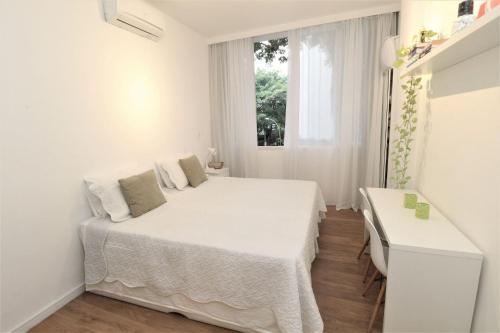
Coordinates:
224 172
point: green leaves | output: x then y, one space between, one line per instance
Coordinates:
426 35
270 91
400 54
403 51
269 50
398 63
423 36
402 144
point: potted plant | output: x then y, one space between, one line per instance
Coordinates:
424 36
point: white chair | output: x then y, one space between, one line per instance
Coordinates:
366 205
379 261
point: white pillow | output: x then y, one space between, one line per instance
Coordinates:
112 199
105 195
94 202
175 173
164 176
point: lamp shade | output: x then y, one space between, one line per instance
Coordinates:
388 53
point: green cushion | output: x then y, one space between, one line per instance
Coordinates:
193 170
142 193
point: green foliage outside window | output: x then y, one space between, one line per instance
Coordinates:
270 49
270 90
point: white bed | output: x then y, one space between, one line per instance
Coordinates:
232 252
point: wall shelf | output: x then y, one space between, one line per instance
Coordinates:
480 36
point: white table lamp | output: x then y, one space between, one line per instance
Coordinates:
212 152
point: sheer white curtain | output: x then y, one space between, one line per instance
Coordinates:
334 106
232 104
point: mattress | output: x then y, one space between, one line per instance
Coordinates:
246 244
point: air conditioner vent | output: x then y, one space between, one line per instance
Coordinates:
135 16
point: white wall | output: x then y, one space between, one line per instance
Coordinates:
78 95
457 154
460 165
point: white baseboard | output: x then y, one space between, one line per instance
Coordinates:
50 309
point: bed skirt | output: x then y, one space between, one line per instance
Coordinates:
214 313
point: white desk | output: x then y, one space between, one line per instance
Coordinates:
433 269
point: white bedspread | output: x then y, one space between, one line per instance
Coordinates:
245 242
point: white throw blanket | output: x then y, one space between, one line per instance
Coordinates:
248 243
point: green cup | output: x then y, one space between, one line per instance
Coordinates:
410 200
422 210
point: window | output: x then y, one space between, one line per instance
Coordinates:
271 77
319 91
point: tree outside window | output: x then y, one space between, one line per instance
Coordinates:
271 76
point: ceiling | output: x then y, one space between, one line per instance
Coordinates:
213 18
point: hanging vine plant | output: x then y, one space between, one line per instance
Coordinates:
405 132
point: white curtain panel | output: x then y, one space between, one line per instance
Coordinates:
232 104
334 106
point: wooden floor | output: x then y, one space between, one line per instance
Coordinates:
337 282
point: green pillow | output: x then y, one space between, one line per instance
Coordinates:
193 170
142 193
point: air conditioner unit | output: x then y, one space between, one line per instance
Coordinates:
136 16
